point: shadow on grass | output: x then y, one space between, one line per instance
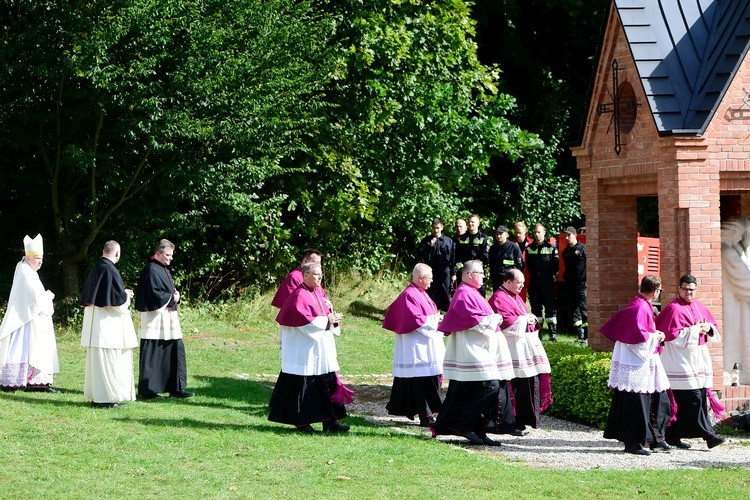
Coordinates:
252 393
23 397
60 390
225 392
356 423
365 310
251 397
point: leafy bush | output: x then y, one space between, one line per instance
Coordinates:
68 314
579 383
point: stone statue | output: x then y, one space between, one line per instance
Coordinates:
735 281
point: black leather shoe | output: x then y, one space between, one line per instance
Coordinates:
306 429
661 447
335 427
115 406
42 388
473 438
491 442
637 450
715 440
426 421
679 444
182 394
150 396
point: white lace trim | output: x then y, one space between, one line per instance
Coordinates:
23 374
646 378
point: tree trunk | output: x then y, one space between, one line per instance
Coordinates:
71 287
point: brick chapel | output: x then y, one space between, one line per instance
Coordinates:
668 117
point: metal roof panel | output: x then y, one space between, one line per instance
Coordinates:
686 52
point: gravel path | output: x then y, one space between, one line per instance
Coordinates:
558 444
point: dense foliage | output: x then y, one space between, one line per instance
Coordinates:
546 49
139 119
579 383
245 132
414 119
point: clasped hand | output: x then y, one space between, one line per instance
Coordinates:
660 335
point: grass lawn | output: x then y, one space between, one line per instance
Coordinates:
220 445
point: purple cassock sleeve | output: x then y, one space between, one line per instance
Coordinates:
679 314
303 306
631 325
510 307
409 311
466 311
290 283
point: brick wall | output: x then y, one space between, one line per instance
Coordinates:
727 151
687 173
610 186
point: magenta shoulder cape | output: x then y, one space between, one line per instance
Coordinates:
466 310
679 314
292 281
631 325
409 311
303 306
510 307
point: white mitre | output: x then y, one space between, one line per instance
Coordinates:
33 247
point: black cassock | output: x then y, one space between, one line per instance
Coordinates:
162 363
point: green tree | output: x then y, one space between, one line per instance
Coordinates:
414 117
245 131
546 49
154 117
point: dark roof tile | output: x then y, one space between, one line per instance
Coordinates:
686 52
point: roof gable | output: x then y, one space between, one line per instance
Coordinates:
686 52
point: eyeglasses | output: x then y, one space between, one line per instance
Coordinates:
480 273
658 289
688 290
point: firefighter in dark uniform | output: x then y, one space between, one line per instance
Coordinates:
437 252
504 256
543 265
574 257
521 237
460 231
472 245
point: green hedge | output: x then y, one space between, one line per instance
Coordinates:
579 383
